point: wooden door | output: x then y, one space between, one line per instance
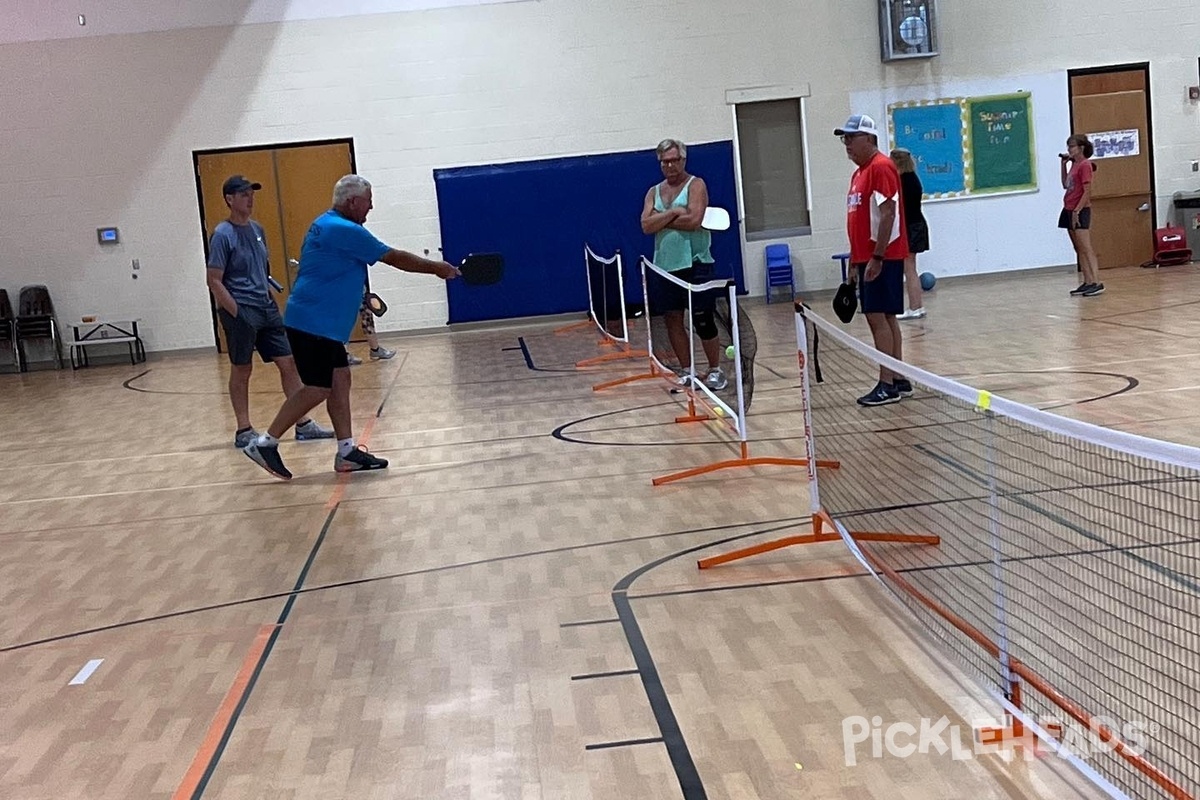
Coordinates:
306 177
258 166
297 183
1113 107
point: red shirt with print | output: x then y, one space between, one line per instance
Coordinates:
873 183
1078 177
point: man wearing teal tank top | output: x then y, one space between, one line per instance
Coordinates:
673 211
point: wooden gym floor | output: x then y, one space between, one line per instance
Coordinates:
512 610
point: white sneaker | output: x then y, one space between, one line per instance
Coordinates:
912 313
716 380
684 380
382 354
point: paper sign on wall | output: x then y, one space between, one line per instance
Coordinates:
1115 144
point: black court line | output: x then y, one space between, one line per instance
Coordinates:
561 434
142 374
1141 311
1078 553
1131 383
660 705
782 523
262 659
524 348
613 674
1138 328
509 349
128 385
624 743
588 622
391 387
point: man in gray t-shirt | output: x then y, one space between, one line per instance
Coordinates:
238 274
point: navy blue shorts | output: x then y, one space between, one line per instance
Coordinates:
885 294
253 329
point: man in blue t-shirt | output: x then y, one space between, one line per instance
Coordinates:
238 276
321 311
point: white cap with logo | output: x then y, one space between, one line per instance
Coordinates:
858 123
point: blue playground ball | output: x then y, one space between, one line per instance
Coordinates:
927 280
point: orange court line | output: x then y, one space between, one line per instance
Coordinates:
212 739
241 684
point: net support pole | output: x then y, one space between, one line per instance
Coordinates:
738 420
1013 731
821 522
655 371
623 351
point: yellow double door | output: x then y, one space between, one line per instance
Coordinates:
297 187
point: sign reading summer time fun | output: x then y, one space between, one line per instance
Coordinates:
968 145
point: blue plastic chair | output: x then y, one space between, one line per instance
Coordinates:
779 269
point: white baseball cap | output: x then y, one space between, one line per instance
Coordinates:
858 123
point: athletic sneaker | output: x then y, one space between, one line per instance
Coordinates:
882 394
243 438
358 459
716 380
353 360
267 457
311 430
1094 289
903 387
912 313
1081 288
381 354
684 380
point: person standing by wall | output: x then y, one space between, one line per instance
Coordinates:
1076 216
911 191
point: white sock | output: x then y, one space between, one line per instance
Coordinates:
345 446
267 440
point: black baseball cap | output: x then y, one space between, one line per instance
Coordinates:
238 183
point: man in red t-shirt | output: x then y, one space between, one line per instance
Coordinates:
878 245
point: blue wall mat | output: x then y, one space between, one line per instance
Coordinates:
539 214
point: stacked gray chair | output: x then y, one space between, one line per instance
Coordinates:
36 321
8 328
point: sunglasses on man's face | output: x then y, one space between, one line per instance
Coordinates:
847 138
669 162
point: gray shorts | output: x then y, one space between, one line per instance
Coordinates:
253 329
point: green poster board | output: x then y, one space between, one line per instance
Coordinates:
1000 141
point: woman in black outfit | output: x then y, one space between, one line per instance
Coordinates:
918 230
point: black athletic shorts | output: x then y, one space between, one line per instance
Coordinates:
668 296
1085 219
316 358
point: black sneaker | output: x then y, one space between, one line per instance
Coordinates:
267 457
1081 288
903 387
882 394
358 459
1094 289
